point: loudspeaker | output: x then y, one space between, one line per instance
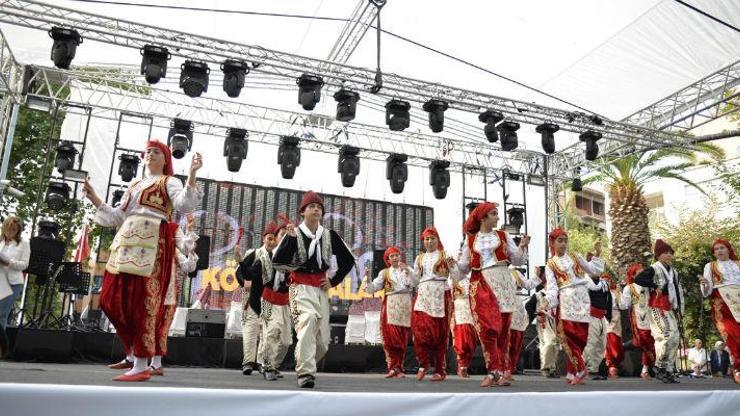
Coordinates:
378 262
43 345
205 323
203 249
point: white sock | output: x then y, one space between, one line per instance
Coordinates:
569 376
130 358
156 361
140 364
644 369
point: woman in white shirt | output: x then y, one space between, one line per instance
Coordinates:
14 255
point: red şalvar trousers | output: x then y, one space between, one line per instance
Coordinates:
728 328
614 353
463 342
431 336
164 320
395 340
515 348
643 339
491 324
573 336
132 303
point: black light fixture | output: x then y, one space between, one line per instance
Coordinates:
348 165
128 166
471 206
439 177
397 114
57 194
346 104
309 90
65 158
194 78
48 229
180 138
396 171
235 148
516 216
117 196
436 110
592 148
507 132
490 117
289 156
547 130
154 63
576 185
596 120
235 73
65 45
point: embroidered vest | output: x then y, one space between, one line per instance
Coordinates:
263 256
501 252
716 272
387 282
155 196
661 301
440 267
561 275
325 246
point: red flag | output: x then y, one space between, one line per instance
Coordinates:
83 248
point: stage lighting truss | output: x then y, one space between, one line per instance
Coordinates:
547 130
66 154
507 133
289 156
439 177
154 63
128 166
117 197
65 44
235 148
48 229
592 148
235 73
194 78
180 137
396 171
397 115
436 110
346 104
348 165
309 90
57 195
490 117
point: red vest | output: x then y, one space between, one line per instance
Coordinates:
501 252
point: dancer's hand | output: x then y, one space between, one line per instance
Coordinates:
325 285
524 242
290 230
90 193
703 283
238 253
196 163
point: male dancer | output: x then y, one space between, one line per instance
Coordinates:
601 315
306 252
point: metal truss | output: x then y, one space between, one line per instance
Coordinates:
353 31
134 35
693 105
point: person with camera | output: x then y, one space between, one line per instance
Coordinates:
14 255
142 252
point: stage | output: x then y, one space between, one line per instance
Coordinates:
74 389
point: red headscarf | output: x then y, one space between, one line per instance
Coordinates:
167 169
632 271
472 224
727 244
554 234
431 231
387 255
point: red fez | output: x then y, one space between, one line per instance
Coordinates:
661 247
472 224
311 197
726 243
632 272
271 228
387 255
167 169
282 221
554 234
431 231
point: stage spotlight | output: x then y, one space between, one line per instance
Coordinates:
592 148
397 114
289 156
436 110
128 166
348 165
235 148
65 158
65 45
490 117
234 74
577 185
346 104
154 63
439 178
117 196
471 206
516 217
309 90
547 130
396 171
180 138
194 78
596 120
48 229
57 194
507 132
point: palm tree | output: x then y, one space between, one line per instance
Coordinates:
625 178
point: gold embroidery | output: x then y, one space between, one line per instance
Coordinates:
155 196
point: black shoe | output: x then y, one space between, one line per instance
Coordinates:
270 375
663 376
306 382
278 374
247 369
674 378
553 374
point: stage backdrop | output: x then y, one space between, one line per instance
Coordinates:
365 225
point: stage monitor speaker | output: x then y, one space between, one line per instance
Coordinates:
378 262
205 323
44 251
43 345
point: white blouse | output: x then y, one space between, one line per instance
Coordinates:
730 275
183 199
402 280
593 268
486 244
17 256
428 262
